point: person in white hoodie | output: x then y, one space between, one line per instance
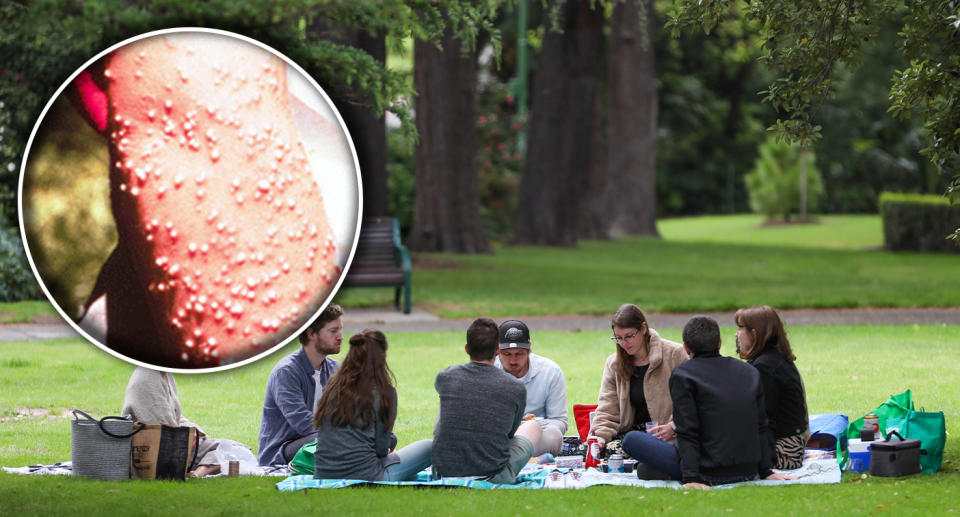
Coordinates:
546 386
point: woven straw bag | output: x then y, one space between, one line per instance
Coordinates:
100 449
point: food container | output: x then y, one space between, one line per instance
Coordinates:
895 457
570 462
593 452
615 463
859 455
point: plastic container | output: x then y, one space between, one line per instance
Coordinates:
859 455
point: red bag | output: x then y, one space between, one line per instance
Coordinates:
581 415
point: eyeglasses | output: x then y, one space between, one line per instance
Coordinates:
621 339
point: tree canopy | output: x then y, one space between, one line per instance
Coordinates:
804 43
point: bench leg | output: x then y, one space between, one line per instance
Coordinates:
396 298
406 296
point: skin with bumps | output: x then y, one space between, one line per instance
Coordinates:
215 203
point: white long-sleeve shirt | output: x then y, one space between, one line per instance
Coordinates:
546 391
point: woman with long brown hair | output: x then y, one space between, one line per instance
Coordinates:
634 389
355 417
762 341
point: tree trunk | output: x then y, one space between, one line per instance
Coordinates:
553 183
633 122
594 205
447 206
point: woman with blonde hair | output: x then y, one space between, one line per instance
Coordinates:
762 341
355 417
634 389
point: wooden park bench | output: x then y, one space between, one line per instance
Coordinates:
381 260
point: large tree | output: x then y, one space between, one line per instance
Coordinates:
564 91
447 208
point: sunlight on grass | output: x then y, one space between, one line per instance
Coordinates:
852 232
701 264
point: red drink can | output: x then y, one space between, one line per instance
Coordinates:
593 452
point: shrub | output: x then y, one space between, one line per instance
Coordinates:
919 222
16 279
774 182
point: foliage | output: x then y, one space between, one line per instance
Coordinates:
805 41
57 375
710 118
916 222
401 187
865 149
16 278
776 180
499 158
787 267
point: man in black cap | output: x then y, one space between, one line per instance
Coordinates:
546 387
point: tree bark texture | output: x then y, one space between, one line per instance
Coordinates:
632 122
594 206
564 88
447 206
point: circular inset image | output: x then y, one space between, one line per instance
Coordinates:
189 200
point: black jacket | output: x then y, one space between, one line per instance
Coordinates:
721 419
783 393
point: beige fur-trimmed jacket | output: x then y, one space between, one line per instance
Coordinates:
615 413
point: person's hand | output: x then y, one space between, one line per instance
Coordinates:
698 486
204 470
601 442
776 476
663 432
529 416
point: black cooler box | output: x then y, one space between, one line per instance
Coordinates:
894 457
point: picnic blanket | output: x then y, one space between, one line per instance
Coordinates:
533 477
61 468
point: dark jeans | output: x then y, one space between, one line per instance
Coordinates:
291 447
653 452
664 457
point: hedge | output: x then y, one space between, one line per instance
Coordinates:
919 222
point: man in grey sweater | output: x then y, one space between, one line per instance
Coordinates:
479 431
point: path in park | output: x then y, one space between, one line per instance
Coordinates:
422 321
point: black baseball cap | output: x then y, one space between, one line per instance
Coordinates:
514 334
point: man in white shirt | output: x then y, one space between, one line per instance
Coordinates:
544 381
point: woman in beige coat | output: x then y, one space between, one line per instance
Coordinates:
634 389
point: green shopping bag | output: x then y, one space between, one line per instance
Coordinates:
897 406
303 462
928 427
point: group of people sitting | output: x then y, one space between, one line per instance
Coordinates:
682 410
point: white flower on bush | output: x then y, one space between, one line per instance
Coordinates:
11 167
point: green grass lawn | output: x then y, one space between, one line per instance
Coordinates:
846 369
28 311
701 264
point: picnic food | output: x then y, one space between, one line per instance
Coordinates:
214 199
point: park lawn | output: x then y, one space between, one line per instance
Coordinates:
846 369
701 264
26 311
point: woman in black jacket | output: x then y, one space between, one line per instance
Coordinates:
762 341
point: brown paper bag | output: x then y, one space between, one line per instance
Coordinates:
163 452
